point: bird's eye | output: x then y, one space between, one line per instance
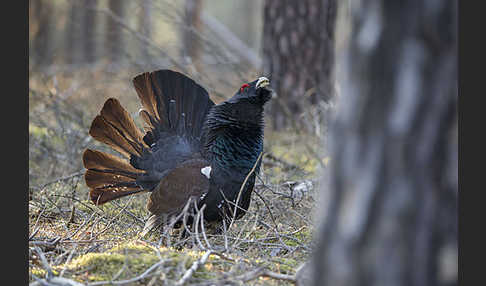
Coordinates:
242 88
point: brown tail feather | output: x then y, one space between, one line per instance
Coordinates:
148 97
103 132
115 127
101 196
98 160
100 179
108 176
148 119
116 115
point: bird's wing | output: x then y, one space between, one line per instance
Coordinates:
180 184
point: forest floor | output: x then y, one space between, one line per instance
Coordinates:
70 237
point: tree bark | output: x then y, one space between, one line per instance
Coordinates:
72 51
114 31
89 31
42 12
389 216
298 55
192 19
145 26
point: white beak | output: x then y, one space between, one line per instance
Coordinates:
262 82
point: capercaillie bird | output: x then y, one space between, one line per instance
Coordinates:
192 150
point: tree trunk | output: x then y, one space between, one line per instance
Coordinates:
298 55
73 37
89 31
389 216
145 27
42 12
114 31
192 19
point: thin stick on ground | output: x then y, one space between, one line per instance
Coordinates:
75 174
242 186
203 229
195 266
44 262
122 282
196 224
262 272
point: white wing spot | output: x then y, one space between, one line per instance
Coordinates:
206 171
220 204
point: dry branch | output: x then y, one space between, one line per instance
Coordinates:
195 266
262 272
123 282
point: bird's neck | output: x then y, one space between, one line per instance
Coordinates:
234 137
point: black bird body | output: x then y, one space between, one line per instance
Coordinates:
192 150
233 145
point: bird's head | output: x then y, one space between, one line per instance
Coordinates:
255 92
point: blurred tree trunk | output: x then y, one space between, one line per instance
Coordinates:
390 214
191 45
41 12
251 11
89 31
79 33
145 26
114 31
298 55
75 42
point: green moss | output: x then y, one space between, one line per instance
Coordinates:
132 247
203 273
99 266
44 134
284 265
137 257
37 272
307 164
104 266
38 131
304 235
41 273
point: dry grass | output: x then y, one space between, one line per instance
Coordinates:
69 237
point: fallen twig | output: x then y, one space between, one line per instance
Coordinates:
262 272
121 282
75 174
242 187
188 274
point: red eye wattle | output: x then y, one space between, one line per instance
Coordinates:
243 87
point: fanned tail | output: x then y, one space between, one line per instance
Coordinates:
172 104
174 108
110 177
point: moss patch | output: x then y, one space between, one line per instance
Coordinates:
131 259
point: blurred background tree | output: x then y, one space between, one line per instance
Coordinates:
298 53
389 216
41 44
192 17
114 44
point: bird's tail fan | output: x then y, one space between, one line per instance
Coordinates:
174 108
172 103
110 177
